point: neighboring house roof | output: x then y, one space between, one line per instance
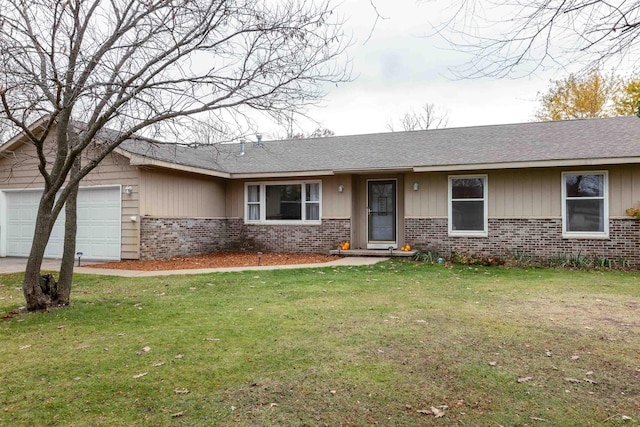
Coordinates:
537 144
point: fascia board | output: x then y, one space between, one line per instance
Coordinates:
532 164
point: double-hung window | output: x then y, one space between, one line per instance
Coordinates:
585 210
283 202
468 205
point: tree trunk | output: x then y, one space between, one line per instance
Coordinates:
34 295
69 251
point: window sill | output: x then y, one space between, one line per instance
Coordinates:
585 236
283 222
468 234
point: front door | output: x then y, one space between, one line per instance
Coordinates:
381 214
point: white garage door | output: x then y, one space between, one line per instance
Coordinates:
98 235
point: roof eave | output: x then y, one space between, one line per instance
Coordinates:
137 160
374 170
20 137
289 174
530 164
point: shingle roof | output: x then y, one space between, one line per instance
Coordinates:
586 140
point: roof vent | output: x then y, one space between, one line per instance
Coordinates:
241 147
259 138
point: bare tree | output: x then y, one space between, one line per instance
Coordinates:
525 35
107 71
428 117
5 130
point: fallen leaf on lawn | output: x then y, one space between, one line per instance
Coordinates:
179 356
424 411
211 339
159 364
146 349
538 419
177 414
61 326
589 373
332 392
575 357
625 418
82 347
573 380
24 347
524 379
437 413
273 405
421 321
140 375
181 391
192 289
548 353
493 363
250 309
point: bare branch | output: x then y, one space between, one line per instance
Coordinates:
520 37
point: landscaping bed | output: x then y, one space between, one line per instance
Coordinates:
217 260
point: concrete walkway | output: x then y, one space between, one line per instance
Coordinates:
17 265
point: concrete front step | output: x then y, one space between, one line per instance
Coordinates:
373 252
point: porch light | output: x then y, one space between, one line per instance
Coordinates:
340 188
128 189
416 186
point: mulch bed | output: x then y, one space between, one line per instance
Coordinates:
217 260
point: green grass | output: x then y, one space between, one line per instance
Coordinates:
332 346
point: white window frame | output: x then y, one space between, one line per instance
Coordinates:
263 202
586 234
485 200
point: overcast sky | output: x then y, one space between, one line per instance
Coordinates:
399 68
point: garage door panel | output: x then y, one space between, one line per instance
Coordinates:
98 221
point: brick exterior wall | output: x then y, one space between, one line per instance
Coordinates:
170 237
539 237
318 238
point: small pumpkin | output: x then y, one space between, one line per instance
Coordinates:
344 246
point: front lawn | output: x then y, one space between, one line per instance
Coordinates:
399 343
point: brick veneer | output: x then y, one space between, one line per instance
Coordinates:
539 237
169 237
318 238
